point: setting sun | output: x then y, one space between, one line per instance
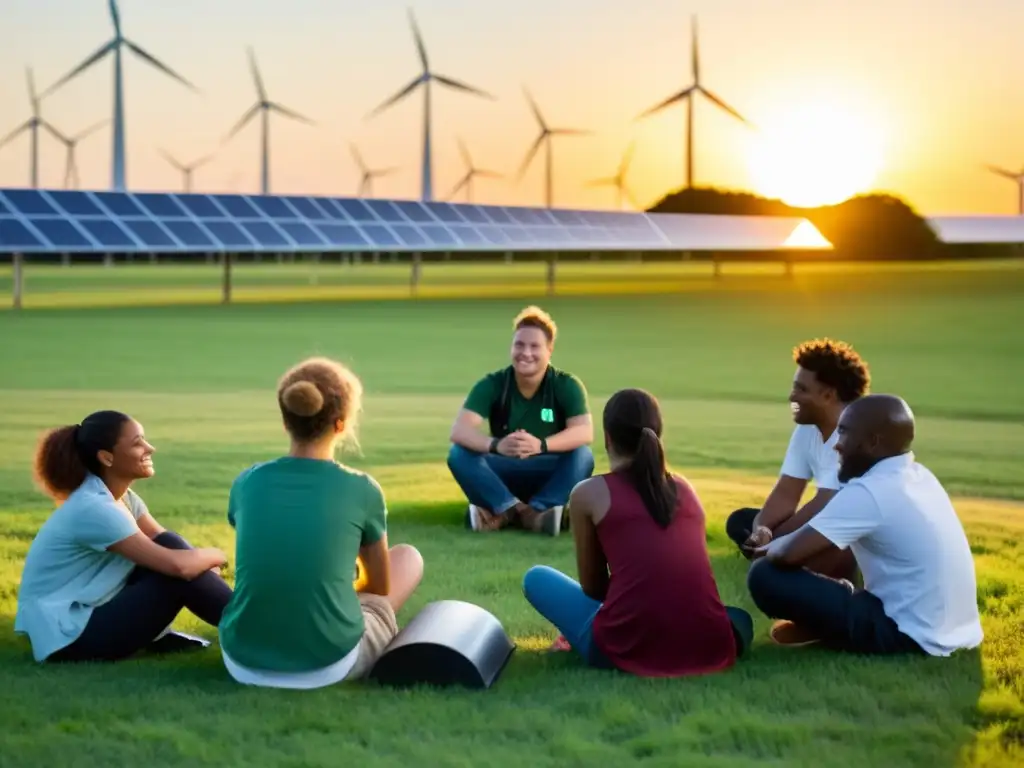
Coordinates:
815 154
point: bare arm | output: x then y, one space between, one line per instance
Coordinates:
149 526
591 562
184 564
781 502
579 431
798 547
466 432
375 571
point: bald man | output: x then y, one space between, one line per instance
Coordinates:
920 591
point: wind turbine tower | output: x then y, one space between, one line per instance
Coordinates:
264 106
115 46
544 138
71 178
32 125
1018 178
186 168
619 180
425 78
471 172
687 94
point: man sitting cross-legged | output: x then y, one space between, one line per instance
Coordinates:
540 433
920 592
829 376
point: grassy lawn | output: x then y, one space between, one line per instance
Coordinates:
201 379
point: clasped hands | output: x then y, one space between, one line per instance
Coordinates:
757 542
519 445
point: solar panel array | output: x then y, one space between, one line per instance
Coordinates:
58 221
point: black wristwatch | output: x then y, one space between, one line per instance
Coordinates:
543 445
494 445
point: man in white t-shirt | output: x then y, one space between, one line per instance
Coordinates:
829 376
920 589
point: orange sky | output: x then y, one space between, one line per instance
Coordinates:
944 89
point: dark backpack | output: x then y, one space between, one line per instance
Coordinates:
502 407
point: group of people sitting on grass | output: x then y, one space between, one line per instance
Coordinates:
875 562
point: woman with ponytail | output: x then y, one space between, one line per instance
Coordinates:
646 602
102 579
304 521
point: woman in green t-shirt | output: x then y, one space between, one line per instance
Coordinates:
297 618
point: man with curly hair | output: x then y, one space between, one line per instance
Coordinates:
830 375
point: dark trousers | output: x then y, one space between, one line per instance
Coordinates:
496 482
844 619
840 565
144 608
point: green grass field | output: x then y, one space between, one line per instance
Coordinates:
201 379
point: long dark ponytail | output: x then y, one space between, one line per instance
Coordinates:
66 455
632 424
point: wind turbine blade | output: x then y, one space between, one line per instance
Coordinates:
462 183
358 158
275 107
261 91
103 51
570 132
460 86
153 61
487 174
382 172
1002 172
725 106
465 154
26 126
201 161
32 98
170 159
535 109
529 156
55 133
89 131
241 123
397 97
695 49
627 158
629 197
115 17
683 94
420 47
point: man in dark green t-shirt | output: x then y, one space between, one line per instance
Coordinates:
539 430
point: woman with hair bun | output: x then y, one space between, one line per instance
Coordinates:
647 602
102 579
303 522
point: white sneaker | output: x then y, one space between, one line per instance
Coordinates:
473 517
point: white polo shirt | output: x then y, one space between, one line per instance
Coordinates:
809 457
900 524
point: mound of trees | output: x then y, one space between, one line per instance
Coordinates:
873 226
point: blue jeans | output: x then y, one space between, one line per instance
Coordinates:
561 601
496 482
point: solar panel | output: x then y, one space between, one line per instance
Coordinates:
100 222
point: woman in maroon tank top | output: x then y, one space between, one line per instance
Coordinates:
647 602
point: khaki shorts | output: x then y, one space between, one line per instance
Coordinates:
381 629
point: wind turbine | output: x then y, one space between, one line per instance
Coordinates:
33 124
366 182
71 144
119 161
619 180
471 172
687 95
1018 178
265 106
186 169
425 78
544 137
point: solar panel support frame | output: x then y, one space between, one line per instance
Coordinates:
552 269
18 279
225 293
415 272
